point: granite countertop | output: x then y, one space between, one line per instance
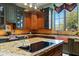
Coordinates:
11 48
4 37
57 35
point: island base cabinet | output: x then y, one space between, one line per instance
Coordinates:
57 51
73 47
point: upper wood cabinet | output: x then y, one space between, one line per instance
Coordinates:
34 20
27 20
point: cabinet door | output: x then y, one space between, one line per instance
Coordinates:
19 18
2 15
11 13
27 22
40 22
34 22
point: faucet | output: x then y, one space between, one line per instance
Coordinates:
26 36
30 32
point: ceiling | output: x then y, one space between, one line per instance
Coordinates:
27 8
39 5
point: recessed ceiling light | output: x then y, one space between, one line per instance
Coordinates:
25 3
30 5
35 7
26 10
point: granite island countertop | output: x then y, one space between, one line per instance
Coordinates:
27 35
11 48
68 36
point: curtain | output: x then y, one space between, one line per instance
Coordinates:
70 7
59 9
66 6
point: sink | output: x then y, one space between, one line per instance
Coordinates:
36 46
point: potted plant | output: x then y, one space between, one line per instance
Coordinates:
77 34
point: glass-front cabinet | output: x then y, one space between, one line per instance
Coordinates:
19 18
11 13
1 16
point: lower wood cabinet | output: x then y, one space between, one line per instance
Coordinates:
73 46
57 51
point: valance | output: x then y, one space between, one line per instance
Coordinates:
59 9
66 6
70 7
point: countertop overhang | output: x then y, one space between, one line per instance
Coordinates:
11 48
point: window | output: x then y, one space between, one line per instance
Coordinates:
59 20
72 19
66 20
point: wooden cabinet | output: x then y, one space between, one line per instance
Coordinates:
40 22
27 21
33 20
73 46
56 51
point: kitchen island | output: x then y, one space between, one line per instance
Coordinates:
12 48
